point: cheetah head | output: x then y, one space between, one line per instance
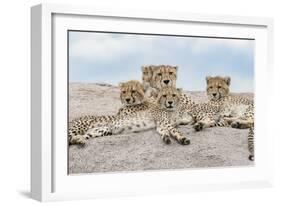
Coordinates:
168 98
164 76
147 72
132 93
217 87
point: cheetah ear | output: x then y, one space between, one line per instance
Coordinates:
208 79
179 89
176 68
227 80
151 68
121 84
143 68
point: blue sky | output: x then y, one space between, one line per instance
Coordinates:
114 58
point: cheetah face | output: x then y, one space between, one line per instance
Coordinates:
168 98
217 87
164 76
132 93
147 72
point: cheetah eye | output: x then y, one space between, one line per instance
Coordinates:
211 87
133 91
144 72
164 95
170 73
123 92
219 87
159 74
174 95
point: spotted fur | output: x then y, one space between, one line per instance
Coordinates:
131 94
234 111
161 114
251 143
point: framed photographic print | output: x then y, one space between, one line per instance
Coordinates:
135 102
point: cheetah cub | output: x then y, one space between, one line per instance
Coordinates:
223 108
147 73
236 111
131 94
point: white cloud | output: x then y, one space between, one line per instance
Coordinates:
92 52
100 46
203 45
107 47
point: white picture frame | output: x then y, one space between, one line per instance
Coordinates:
49 178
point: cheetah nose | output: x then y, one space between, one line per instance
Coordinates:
166 81
127 99
214 94
170 102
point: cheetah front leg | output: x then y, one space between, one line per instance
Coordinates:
179 136
166 131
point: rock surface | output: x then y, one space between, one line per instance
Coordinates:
213 147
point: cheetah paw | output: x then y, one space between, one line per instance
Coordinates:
167 140
198 126
184 141
251 157
80 140
238 125
235 124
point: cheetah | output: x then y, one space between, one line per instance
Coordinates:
147 73
234 111
160 115
222 109
131 93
